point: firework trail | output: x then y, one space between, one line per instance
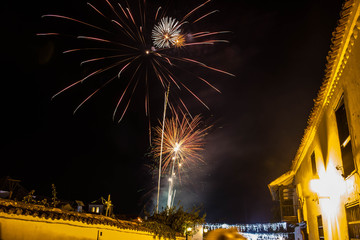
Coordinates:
179 142
137 46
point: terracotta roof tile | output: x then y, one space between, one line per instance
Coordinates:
326 87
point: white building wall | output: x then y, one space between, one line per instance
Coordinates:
20 227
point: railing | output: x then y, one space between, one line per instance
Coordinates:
288 213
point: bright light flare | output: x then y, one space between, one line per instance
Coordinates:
166 33
183 138
329 188
330 183
180 41
177 147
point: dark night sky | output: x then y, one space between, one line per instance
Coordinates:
277 51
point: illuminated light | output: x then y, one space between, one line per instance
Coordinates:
179 164
186 136
315 185
180 41
350 183
257 231
177 147
330 184
256 227
166 32
267 236
205 230
189 229
225 226
178 140
346 141
170 179
329 188
139 39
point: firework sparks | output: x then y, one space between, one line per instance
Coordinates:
183 138
167 33
130 45
180 143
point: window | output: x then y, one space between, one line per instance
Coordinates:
353 221
313 163
93 209
287 207
345 139
97 209
320 227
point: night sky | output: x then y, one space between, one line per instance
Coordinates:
277 51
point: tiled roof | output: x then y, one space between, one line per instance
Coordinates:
284 180
330 81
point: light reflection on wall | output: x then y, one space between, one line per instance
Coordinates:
329 188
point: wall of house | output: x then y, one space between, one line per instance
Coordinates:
335 191
20 227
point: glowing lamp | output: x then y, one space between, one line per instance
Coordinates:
189 229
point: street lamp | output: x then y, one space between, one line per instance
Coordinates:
188 230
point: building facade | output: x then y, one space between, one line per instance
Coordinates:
322 187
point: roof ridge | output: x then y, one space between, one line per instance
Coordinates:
326 89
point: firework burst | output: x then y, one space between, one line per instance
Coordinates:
137 48
167 33
178 143
184 139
